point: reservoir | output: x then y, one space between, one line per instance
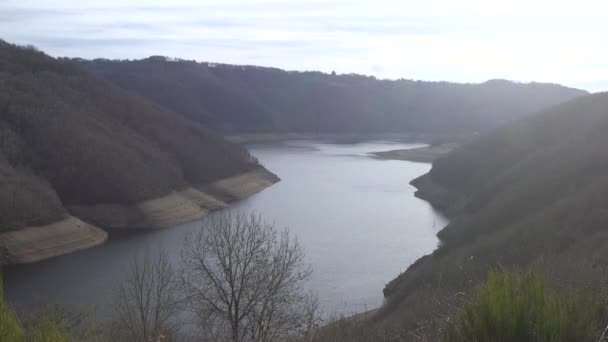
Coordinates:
355 215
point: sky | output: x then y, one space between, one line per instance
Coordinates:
553 41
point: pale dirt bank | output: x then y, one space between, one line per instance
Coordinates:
32 244
176 207
254 138
425 154
239 186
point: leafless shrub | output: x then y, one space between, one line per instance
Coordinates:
146 303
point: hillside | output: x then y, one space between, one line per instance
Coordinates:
238 99
533 193
69 140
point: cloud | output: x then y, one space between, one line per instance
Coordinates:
22 15
466 41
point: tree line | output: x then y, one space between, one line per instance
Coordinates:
236 99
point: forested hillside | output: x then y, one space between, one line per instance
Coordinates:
69 138
238 99
530 194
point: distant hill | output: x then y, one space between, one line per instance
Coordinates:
237 99
533 193
68 138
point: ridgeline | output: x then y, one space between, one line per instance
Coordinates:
249 99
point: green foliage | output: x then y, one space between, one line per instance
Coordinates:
10 328
513 307
45 329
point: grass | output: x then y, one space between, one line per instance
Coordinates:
520 307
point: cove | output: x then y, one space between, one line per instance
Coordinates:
355 215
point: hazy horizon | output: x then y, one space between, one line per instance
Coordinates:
467 42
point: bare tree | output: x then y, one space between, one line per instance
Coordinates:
146 302
312 317
244 280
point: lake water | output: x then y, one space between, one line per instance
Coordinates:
356 217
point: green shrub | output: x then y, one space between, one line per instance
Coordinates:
11 329
514 307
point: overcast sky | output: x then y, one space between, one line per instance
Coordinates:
455 40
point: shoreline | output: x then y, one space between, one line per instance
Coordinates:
424 154
446 202
255 138
37 243
88 225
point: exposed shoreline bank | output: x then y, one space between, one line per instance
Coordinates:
426 189
87 224
254 138
31 244
424 154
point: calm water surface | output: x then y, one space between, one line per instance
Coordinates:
356 216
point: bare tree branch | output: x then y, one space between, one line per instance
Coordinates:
245 280
146 303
